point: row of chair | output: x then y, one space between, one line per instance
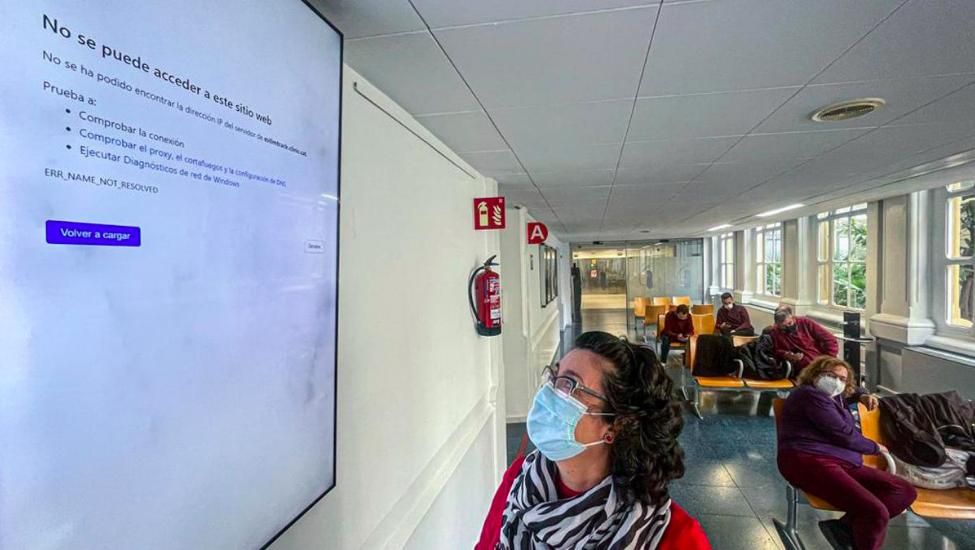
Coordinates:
736 382
939 504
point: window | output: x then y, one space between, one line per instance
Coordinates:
842 255
958 254
768 259
727 260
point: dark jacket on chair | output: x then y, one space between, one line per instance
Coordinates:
919 427
759 360
715 356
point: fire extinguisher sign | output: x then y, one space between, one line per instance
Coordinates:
489 213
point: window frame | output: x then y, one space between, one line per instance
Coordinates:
760 240
726 260
826 262
941 261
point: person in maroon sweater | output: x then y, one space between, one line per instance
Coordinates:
732 318
678 327
820 451
800 340
605 426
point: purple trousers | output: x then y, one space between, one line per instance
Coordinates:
870 497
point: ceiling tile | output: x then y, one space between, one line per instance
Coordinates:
902 96
464 132
542 158
576 178
566 124
493 163
666 173
561 196
443 13
517 180
920 39
557 60
358 18
788 148
959 106
648 154
591 211
412 70
704 115
724 45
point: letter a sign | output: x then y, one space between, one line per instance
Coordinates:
537 233
489 213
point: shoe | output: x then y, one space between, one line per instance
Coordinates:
837 534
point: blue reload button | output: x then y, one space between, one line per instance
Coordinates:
92 234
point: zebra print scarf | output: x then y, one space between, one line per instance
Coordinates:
535 518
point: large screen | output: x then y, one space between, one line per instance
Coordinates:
168 268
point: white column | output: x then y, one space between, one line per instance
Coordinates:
745 265
904 256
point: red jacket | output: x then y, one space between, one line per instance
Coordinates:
810 339
683 533
674 327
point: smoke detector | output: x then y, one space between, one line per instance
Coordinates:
846 110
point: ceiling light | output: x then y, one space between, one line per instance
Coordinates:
780 210
846 110
720 227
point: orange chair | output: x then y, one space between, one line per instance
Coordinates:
673 345
701 309
639 305
660 301
788 531
940 504
930 503
651 316
711 383
678 300
703 323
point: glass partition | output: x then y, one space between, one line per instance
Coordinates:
615 275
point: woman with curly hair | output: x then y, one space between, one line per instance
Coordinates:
821 452
606 429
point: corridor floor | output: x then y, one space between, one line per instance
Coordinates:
732 485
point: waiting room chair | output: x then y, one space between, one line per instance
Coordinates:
678 300
788 531
700 309
660 301
639 305
703 323
683 346
651 316
930 503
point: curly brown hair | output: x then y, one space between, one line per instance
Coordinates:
646 455
824 363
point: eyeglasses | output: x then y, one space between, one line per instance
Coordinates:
568 385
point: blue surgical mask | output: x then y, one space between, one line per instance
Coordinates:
552 424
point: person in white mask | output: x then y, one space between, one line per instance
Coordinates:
605 427
732 318
821 452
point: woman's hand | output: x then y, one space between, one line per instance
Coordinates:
869 401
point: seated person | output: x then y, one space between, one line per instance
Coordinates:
678 327
605 427
799 340
820 452
732 318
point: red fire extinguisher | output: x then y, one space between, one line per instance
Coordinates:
484 294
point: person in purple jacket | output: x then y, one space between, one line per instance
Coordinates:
821 452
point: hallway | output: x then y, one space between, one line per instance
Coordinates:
732 486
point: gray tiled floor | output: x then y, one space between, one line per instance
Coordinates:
733 487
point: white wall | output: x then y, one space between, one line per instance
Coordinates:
417 388
531 332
